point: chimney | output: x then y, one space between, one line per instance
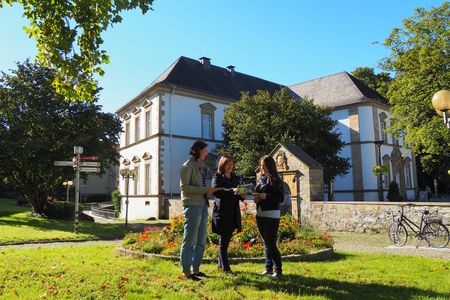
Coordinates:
206 62
230 69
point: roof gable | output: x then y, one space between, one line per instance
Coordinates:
337 90
216 81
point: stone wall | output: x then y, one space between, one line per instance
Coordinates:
367 216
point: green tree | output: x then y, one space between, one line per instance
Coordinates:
420 57
69 36
378 82
37 127
254 125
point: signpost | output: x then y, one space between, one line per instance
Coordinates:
95 164
78 150
89 170
89 157
60 163
81 163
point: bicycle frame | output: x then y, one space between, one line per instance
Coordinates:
411 225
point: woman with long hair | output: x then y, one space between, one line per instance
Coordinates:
226 216
194 193
269 195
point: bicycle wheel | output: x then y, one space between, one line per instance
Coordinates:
436 234
398 234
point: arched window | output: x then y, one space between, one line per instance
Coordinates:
387 176
408 175
383 125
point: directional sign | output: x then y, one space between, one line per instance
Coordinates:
89 157
59 163
95 164
90 170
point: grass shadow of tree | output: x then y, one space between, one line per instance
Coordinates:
297 285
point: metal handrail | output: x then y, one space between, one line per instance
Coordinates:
103 212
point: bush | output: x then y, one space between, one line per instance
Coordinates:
116 200
393 192
60 210
292 239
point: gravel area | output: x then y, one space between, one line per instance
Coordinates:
379 243
344 241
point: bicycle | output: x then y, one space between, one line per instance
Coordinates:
431 229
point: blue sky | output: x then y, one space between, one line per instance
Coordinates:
282 41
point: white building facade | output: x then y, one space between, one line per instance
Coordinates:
187 103
363 115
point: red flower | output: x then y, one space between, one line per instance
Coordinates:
246 245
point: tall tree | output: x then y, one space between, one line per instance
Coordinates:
420 58
37 127
69 37
254 125
378 82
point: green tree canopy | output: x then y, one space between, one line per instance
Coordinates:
420 58
254 125
69 37
37 127
378 82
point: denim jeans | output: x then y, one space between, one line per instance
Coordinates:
268 228
194 238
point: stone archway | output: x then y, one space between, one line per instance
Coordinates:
302 174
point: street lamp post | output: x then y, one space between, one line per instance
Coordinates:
441 103
380 175
68 184
127 174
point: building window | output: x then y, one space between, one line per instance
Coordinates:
207 126
136 129
136 180
387 176
207 115
408 177
147 178
383 127
127 134
148 123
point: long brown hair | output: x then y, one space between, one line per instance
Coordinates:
224 159
271 166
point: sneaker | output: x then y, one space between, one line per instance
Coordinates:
188 277
276 275
265 273
230 273
200 274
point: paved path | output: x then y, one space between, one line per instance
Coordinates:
379 243
344 241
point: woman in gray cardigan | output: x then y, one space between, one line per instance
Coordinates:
195 209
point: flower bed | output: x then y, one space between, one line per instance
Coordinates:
292 239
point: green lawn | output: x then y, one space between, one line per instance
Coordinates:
98 272
16 227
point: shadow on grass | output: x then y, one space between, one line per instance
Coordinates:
95 230
8 207
298 285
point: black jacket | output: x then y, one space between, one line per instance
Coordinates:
226 215
274 191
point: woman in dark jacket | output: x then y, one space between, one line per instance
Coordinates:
270 193
226 212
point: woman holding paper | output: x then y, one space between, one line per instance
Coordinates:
226 213
269 194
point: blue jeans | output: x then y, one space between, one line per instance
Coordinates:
194 238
